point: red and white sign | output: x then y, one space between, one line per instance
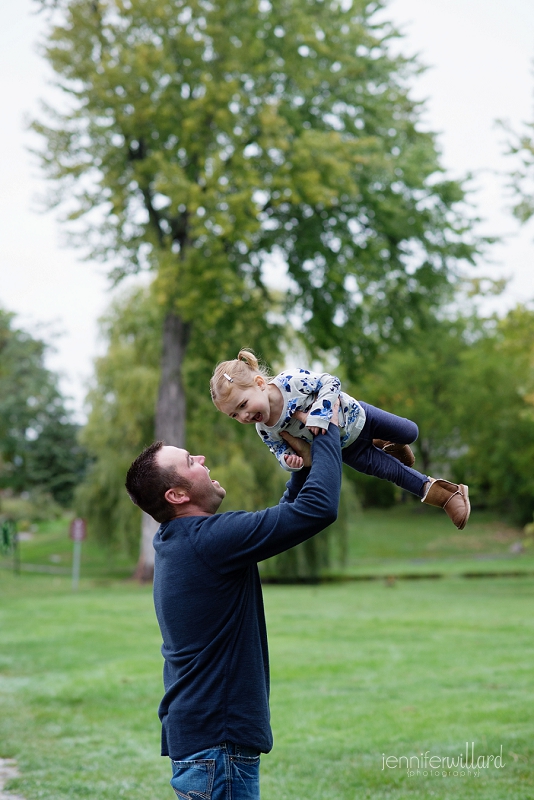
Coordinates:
78 529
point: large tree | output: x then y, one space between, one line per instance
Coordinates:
202 139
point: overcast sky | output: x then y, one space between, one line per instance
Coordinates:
480 56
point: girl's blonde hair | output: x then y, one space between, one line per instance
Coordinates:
240 372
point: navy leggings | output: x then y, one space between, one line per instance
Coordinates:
364 457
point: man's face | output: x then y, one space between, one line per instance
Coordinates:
205 494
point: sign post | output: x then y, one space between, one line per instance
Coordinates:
78 531
9 541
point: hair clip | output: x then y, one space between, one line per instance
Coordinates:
228 378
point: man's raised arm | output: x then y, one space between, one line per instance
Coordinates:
310 504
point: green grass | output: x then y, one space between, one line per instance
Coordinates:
358 670
415 539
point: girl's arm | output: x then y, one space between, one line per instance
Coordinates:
326 387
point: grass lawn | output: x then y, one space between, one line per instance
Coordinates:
360 672
412 538
407 539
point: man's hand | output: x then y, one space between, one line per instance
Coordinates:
316 431
302 416
301 447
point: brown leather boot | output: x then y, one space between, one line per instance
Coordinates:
452 497
402 452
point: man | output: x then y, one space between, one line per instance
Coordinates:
209 605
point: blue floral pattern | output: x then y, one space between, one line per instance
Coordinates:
316 394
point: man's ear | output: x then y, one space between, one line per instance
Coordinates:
176 496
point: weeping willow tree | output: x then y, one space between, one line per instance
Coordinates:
121 422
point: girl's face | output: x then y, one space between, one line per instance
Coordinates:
250 405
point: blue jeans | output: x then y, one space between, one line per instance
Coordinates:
364 457
225 772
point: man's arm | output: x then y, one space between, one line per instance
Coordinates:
234 540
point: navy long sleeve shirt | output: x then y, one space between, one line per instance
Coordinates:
209 605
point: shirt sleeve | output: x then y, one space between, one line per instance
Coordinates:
236 539
295 484
326 387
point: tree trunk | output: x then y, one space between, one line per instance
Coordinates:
144 570
170 410
170 420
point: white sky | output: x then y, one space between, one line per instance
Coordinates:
480 53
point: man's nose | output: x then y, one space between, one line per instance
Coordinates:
200 459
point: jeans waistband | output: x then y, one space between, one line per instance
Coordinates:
234 749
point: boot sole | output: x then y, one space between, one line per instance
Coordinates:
465 491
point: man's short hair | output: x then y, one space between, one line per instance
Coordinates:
147 482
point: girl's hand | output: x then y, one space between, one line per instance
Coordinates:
295 462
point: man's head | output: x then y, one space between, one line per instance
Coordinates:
168 482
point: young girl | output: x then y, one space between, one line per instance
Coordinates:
373 441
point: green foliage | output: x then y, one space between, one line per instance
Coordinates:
50 550
328 551
121 419
29 508
38 441
521 148
211 136
469 385
496 416
424 382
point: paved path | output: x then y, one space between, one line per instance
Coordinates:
8 770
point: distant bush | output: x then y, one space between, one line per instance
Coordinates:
29 507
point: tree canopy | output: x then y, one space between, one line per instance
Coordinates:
211 136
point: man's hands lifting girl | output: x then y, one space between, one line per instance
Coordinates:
301 447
